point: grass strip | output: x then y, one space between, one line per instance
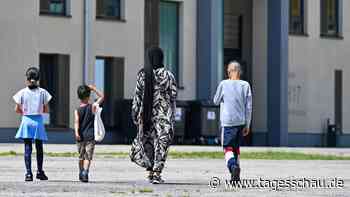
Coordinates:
263 155
146 190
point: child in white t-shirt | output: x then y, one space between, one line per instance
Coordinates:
31 103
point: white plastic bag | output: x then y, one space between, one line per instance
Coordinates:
98 125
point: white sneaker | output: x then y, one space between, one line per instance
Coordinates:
157 179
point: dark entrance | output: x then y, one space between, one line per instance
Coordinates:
54 70
238 21
238 35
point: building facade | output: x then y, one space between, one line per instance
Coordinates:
294 54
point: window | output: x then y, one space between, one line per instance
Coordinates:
169 35
100 73
296 17
54 7
330 18
54 70
109 77
109 9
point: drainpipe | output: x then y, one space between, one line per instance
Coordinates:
87 24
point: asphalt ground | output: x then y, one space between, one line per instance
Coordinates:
110 177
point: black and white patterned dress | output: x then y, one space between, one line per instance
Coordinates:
150 148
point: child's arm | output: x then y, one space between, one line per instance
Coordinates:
46 108
18 109
18 98
76 125
218 95
99 94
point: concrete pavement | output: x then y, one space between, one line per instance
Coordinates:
60 148
111 177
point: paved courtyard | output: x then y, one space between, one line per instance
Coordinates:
111 177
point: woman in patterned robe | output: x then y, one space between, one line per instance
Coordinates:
153 111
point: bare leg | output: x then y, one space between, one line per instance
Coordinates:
85 171
87 164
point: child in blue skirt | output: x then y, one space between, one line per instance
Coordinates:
31 103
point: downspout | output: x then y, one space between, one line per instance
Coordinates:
87 22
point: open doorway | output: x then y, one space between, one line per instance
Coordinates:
238 39
238 35
54 71
109 77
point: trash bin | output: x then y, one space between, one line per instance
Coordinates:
331 135
181 121
129 129
204 122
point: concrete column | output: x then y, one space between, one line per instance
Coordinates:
209 47
277 72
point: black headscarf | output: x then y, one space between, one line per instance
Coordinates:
153 61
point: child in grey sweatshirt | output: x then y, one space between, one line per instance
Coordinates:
235 99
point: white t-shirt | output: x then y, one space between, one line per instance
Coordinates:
32 101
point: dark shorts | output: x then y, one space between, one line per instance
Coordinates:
86 149
231 136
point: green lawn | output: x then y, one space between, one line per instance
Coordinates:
267 155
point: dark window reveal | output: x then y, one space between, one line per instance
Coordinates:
329 17
296 17
169 34
54 70
109 77
53 7
108 9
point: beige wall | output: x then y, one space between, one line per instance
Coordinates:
16 52
121 39
24 35
312 61
64 36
